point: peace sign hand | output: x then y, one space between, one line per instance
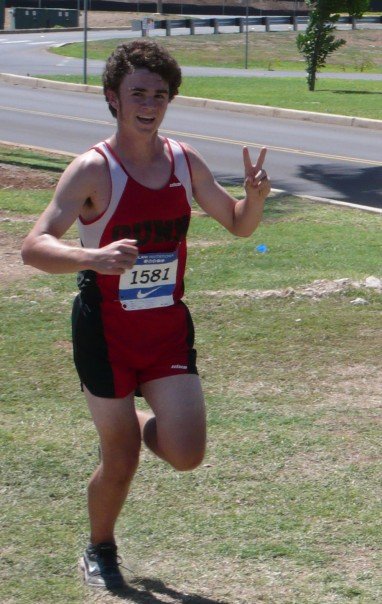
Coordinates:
255 177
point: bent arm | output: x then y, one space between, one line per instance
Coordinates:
44 249
239 217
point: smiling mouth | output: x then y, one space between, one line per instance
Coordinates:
145 120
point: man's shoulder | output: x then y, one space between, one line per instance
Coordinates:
91 161
195 158
87 169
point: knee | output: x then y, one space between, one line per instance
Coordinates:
119 469
188 462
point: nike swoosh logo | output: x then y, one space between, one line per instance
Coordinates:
92 567
142 294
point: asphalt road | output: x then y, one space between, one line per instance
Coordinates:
25 53
338 162
314 159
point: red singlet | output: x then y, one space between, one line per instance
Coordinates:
133 328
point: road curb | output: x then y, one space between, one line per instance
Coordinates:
332 202
30 82
37 148
263 110
243 108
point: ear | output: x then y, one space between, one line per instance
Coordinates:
112 99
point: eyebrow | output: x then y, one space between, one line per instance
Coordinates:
138 89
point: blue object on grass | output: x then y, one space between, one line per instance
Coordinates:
262 248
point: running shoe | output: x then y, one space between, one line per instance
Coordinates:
100 565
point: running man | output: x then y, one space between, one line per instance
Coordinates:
131 197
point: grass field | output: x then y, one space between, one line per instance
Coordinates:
273 51
286 506
341 97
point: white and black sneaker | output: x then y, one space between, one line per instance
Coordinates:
100 565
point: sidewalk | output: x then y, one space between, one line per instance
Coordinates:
264 73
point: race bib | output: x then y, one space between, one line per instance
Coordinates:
150 283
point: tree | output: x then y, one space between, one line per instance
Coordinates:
356 8
318 41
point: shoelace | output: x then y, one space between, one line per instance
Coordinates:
111 562
107 558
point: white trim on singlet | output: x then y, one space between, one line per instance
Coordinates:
91 232
181 167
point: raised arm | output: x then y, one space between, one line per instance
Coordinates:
242 217
84 187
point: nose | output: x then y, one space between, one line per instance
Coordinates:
148 101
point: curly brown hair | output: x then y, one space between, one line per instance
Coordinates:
140 54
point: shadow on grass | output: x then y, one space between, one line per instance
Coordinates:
349 181
36 166
229 180
152 591
279 205
355 91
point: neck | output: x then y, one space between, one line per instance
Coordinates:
148 161
142 149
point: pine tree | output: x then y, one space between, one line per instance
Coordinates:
318 41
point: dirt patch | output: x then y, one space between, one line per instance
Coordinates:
12 267
11 264
18 177
318 289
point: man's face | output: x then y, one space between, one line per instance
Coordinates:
142 100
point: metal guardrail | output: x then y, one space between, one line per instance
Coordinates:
240 22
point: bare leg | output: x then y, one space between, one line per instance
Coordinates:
143 418
177 431
117 424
